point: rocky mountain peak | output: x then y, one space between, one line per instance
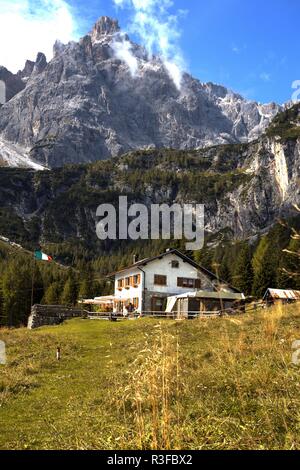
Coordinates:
103 96
103 27
27 70
13 83
33 68
40 63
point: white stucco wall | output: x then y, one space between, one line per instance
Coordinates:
164 267
131 292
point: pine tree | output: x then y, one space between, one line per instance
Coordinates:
259 254
224 270
16 289
265 264
38 285
2 317
243 270
70 291
204 257
52 294
289 274
87 287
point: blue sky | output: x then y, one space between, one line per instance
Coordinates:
251 46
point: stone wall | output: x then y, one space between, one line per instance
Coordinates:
52 315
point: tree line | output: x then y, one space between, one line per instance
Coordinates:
252 266
270 261
24 281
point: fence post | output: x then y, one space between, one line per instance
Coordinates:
58 356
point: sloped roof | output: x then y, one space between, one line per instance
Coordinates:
283 294
185 258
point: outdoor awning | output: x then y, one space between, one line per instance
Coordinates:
219 295
203 294
108 299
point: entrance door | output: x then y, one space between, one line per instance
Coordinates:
158 304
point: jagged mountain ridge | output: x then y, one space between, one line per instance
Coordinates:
84 105
17 82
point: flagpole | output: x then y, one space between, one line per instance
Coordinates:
32 280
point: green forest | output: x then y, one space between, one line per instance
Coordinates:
251 266
55 210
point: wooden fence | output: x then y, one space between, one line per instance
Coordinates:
116 316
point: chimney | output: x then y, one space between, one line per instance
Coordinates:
135 259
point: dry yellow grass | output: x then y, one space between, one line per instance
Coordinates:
225 383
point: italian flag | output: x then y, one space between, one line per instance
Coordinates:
42 256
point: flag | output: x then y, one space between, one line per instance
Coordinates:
42 256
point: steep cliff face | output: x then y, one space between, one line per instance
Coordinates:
104 96
13 84
270 193
13 155
245 189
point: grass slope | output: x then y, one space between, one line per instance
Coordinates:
208 384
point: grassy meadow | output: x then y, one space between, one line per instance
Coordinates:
224 383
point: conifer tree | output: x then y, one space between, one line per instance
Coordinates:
224 270
70 291
52 294
265 263
243 271
87 287
16 289
289 274
204 257
2 317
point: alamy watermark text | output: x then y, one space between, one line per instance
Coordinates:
160 222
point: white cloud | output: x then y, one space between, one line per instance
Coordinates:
238 49
266 77
159 32
31 26
175 73
122 48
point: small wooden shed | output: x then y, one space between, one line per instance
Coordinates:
285 296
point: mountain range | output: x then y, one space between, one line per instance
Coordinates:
105 119
104 95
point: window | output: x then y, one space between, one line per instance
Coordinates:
119 306
130 281
136 280
187 282
160 280
175 264
136 302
